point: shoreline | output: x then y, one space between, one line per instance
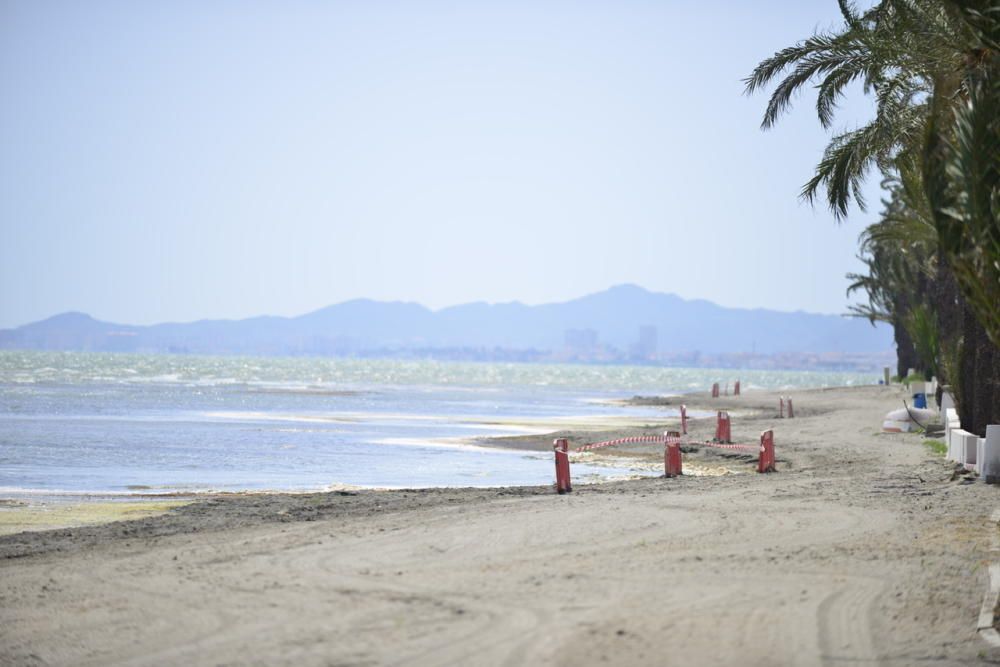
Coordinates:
54 509
69 508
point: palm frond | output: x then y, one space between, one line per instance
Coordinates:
895 49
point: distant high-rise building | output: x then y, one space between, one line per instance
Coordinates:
648 341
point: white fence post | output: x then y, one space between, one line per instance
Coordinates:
990 466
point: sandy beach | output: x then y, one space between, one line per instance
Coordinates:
864 548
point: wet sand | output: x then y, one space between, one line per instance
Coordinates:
17 516
865 548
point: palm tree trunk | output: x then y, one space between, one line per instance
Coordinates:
906 352
981 381
948 306
978 382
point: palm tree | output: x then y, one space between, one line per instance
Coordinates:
961 170
899 254
933 67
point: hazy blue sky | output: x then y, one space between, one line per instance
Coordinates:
182 160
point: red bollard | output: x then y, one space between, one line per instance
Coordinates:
715 390
561 447
791 413
684 419
766 461
781 407
723 432
672 455
736 388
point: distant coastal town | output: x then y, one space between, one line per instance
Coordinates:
584 346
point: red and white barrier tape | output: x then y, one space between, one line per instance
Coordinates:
752 449
622 441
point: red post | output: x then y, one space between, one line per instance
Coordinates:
766 461
781 407
561 447
736 388
672 454
684 419
791 413
723 432
715 390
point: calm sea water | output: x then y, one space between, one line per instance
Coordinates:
103 423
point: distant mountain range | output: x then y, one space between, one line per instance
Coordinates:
592 325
